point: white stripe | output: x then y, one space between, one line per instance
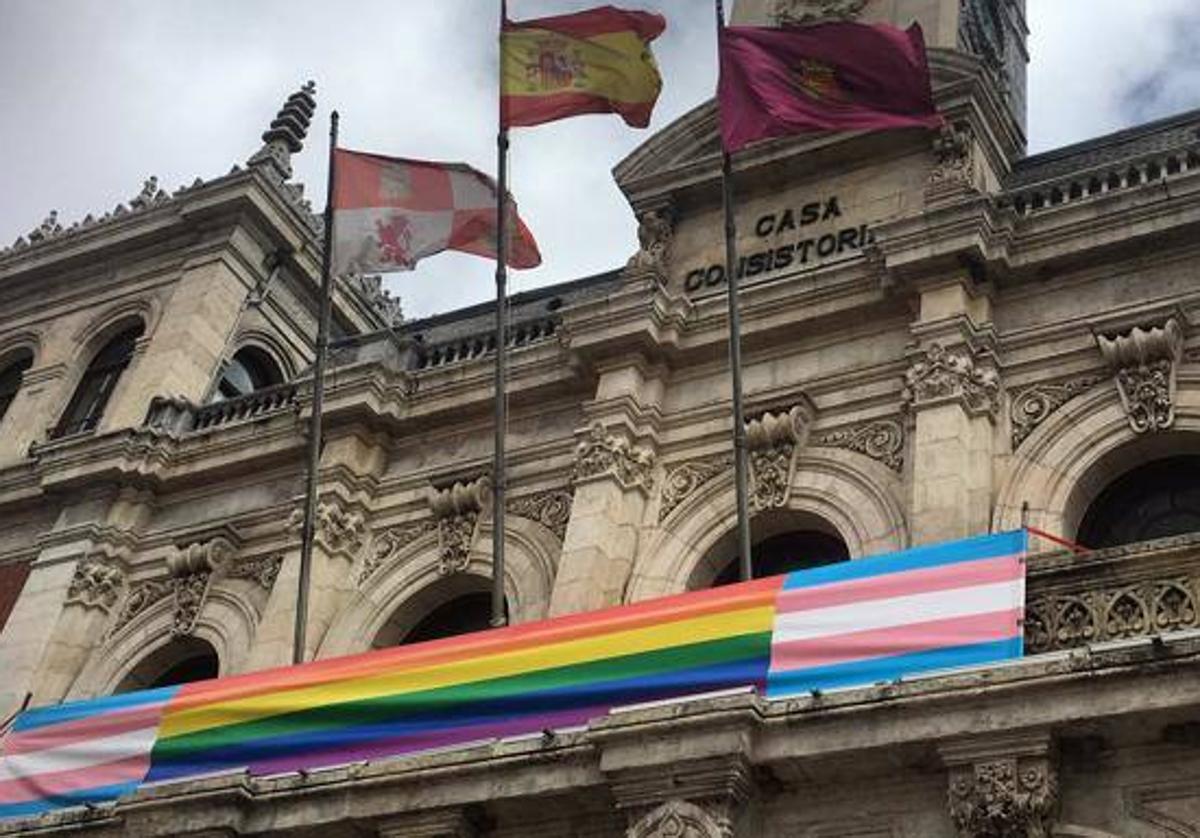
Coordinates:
356 236
78 755
896 611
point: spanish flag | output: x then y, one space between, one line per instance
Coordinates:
595 61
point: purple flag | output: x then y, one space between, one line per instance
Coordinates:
828 77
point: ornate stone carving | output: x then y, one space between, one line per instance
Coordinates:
390 542
800 12
603 454
95 584
192 569
656 230
940 375
263 571
882 441
141 597
1033 405
773 441
287 131
150 196
458 511
953 172
370 288
681 819
48 229
684 479
551 509
1144 362
1005 797
334 528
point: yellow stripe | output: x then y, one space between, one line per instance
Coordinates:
617 66
490 666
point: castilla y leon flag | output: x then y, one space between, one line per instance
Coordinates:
595 61
391 212
827 77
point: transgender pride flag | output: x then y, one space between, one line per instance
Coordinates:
881 618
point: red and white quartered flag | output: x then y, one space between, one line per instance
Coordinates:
389 213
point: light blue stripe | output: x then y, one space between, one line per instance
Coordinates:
104 794
58 713
933 555
864 672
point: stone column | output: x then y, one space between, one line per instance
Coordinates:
613 478
1003 787
952 395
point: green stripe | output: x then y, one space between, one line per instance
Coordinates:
389 707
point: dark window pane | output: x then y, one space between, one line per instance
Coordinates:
462 615
1156 500
10 381
249 370
97 384
787 552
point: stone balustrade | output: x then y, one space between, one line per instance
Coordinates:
478 345
1137 590
181 416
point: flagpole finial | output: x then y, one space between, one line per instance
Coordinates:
285 135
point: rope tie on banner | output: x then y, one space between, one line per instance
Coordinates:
1077 549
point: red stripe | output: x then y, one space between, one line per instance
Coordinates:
128 770
100 726
926 580
600 21
895 640
534 110
413 184
758 593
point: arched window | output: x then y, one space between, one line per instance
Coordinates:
1155 500
248 370
462 615
10 378
181 661
96 387
787 552
461 604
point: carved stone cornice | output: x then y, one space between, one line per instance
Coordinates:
551 509
604 455
340 531
1004 788
1033 405
1145 363
773 441
683 479
940 376
389 543
882 440
96 583
458 511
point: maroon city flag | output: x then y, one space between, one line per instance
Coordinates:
827 77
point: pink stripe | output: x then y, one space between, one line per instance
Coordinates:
102 726
887 586
128 770
896 640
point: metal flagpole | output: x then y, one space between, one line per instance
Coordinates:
499 467
745 564
318 400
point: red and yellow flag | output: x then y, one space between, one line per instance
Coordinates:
595 61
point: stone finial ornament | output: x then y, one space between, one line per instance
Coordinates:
1144 362
287 131
370 287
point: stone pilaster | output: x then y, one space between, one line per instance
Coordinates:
1002 787
613 478
953 397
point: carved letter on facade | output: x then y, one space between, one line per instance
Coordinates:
1144 363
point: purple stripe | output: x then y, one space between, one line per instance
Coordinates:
457 735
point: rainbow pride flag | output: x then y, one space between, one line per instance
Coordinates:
853 623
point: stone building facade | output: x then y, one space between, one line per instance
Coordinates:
942 337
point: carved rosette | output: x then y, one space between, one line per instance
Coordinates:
686 478
938 375
1033 405
95 584
389 543
1005 797
458 511
551 509
338 530
1144 362
803 12
681 819
882 441
608 455
773 441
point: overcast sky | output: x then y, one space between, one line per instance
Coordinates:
96 95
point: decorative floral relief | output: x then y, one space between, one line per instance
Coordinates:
1004 798
1144 362
940 374
882 441
551 509
141 597
263 571
95 584
602 453
390 543
1033 405
681 819
1062 621
458 511
774 440
686 478
334 528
